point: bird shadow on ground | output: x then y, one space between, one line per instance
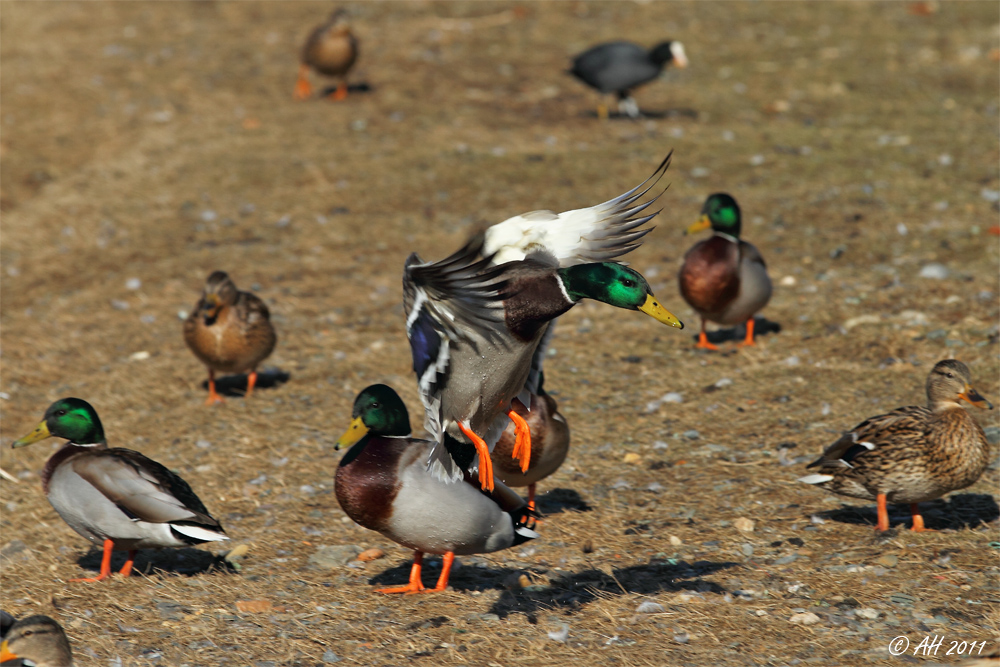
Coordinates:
957 512
761 327
569 591
561 500
572 590
188 562
236 385
352 89
647 114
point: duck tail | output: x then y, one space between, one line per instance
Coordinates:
815 479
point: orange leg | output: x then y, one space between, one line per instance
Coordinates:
341 92
485 463
531 497
302 88
522 440
127 567
883 513
703 339
415 585
749 339
213 397
251 381
105 564
918 520
446 564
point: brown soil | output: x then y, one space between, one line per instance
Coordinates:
159 141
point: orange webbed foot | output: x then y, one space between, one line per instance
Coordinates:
303 91
339 94
522 440
485 462
703 343
409 588
749 337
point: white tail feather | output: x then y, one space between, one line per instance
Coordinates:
199 533
815 479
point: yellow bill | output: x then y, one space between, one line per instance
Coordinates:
653 308
40 433
974 397
354 432
702 223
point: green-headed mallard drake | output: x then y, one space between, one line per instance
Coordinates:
229 331
549 444
473 331
331 50
36 640
596 234
724 278
383 484
618 67
911 454
116 498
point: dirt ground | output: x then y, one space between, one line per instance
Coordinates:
146 144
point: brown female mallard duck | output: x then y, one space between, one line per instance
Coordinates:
724 278
549 445
332 50
116 498
911 454
230 331
35 640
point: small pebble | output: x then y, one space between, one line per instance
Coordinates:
649 607
744 525
804 618
560 635
370 554
934 271
675 541
888 560
691 435
866 612
133 284
631 458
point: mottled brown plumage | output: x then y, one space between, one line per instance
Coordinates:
331 49
549 445
39 640
914 453
229 331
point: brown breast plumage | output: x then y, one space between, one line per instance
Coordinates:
709 278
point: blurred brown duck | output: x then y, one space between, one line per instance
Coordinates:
911 454
331 50
229 331
724 278
549 445
116 498
35 640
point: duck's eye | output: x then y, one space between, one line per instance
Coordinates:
26 633
60 413
376 405
628 283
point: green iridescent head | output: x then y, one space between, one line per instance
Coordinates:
617 285
378 410
721 213
72 418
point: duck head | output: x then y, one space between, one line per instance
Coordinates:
378 410
721 213
72 418
220 291
617 285
949 382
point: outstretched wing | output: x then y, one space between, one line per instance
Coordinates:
596 234
454 301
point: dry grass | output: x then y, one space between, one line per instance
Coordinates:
124 124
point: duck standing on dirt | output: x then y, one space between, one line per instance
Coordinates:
383 484
911 454
724 278
35 640
229 331
618 67
117 497
331 50
473 332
